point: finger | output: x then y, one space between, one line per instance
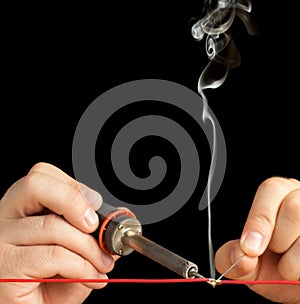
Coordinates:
52 293
231 252
48 262
51 170
67 293
254 268
93 197
287 228
261 220
36 191
289 266
53 229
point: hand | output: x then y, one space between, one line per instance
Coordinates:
46 219
270 240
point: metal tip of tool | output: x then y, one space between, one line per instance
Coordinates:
192 273
198 275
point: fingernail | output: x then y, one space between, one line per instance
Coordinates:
102 275
91 218
107 260
253 242
93 197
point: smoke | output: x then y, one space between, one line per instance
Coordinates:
219 44
221 50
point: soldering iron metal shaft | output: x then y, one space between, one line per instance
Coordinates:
121 233
160 254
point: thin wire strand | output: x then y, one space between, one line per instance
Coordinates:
232 266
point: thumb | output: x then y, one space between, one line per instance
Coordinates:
230 253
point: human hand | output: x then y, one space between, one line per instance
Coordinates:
46 219
270 241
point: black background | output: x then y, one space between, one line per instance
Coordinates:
56 59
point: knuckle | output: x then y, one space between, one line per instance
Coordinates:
32 180
264 218
56 253
292 205
38 167
72 183
275 182
49 222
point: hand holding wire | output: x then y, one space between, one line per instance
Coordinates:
270 241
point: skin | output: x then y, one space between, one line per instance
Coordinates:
47 201
33 214
270 241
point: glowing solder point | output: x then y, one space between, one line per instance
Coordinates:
214 282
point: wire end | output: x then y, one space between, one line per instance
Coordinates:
214 282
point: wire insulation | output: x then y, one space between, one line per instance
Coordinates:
147 281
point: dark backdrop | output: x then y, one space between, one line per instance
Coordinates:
56 59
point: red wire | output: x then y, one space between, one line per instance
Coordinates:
257 282
103 280
157 281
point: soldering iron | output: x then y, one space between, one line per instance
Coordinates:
120 233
